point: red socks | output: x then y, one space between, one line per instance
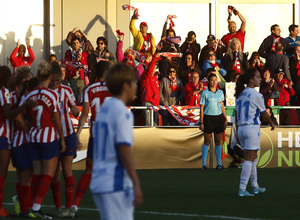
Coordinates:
42 188
24 194
56 193
34 183
69 190
2 180
82 187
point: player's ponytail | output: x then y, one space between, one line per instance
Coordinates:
44 71
243 80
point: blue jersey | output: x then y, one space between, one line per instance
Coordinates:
113 127
212 102
249 105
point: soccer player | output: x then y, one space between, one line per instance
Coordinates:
66 101
93 97
115 185
249 105
213 119
44 146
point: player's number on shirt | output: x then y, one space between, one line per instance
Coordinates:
243 108
39 109
102 131
96 103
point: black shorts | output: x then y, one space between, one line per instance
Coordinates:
214 124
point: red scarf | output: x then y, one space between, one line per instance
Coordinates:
214 64
236 67
298 68
275 40
173 84
197 96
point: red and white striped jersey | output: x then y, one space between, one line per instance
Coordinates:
66 101
95 95
19 136
43 129
5 125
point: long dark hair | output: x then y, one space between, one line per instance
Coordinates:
208 80
244 79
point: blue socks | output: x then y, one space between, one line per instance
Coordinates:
218 152
204 154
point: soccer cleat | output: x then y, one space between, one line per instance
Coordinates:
258 190
16 202
40 214
73 212
244 193
61 213
220 167
4 213
204 167
28 214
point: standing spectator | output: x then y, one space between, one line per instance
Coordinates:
267 47
235 61
85 43
295 75
293 39
164 64
101 53
76 64
268 85
212 62
193 89
213 119
142 40
279 61
187 67
171 93
170 32
150 89
255 61
190 45
52 58
286 91
21 60
233 33
211 43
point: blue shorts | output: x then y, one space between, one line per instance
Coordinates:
70 146
90 148
4 145
44 151
21 158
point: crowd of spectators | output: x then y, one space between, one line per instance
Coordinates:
171 72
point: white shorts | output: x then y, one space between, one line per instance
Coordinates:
116 205
249 136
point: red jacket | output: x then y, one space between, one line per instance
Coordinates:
17 61
71 70
190 98
150 85
285 92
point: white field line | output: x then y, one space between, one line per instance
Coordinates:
165 213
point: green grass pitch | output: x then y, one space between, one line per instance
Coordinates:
190 194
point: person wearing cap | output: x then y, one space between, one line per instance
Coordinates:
211 41
143 41
190 45
279 61
233 33
286 91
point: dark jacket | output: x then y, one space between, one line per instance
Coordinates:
293 70
195 47
279 61
228 63
184 72
266 46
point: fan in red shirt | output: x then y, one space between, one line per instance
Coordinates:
21 60
233 33
193 89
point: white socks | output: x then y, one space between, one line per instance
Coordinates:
253 176
245 174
